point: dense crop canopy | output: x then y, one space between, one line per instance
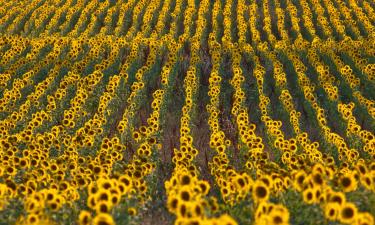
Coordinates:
187 112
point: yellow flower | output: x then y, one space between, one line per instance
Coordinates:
84 218
103 219
331 210
348 182
348 213
260 191
308 196
132 211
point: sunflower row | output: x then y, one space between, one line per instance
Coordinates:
186 193
348 183
233 185
82 72
143 162
270 180
137 87
309 196
47 147
354 129
76 18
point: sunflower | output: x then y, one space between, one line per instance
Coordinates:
338 197
240 182
331 210
172 204
126 180
103 219
182 210
185 195
204 187
348 213
318 179
92 189
214 206
54 205
361 168
136 136
103 195
84 218
32 205
261 210
348 182
32 219
260 191
278 218
299 180
197 209
366 181
226 219
365 219
309 196
91 201
103 207
132 211
185 179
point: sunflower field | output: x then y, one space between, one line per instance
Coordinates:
187 112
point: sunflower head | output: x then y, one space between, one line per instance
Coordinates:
260 191
103 219
348 213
